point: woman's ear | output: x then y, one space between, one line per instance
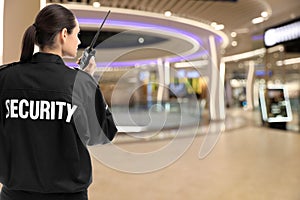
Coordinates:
63 35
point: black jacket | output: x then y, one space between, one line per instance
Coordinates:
48 114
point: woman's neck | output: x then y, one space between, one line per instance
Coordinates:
52 51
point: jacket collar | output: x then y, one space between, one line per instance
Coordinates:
47 58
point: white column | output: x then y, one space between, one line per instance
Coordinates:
249 85
163 80
216 82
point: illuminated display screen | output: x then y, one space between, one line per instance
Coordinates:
275 104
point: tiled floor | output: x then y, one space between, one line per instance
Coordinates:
247 163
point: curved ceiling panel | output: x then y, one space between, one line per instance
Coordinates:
179 38
128 39
235 16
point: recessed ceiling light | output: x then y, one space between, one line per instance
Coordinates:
168 13
234 43
219 27
264 14
233 34
141 40
257 20
214 24
96 4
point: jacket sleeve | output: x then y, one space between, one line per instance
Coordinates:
93 120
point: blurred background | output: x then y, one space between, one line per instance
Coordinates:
187 68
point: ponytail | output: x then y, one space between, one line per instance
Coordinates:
28 43
48 23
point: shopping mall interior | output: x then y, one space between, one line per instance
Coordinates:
205 94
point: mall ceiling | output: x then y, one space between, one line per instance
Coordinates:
235 15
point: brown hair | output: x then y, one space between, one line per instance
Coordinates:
49 21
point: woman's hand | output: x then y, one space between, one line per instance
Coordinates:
91 67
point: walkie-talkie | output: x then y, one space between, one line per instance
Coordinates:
90 51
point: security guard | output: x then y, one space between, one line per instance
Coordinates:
49 113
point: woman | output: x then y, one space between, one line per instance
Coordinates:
49 113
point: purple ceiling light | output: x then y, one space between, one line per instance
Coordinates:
135 25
